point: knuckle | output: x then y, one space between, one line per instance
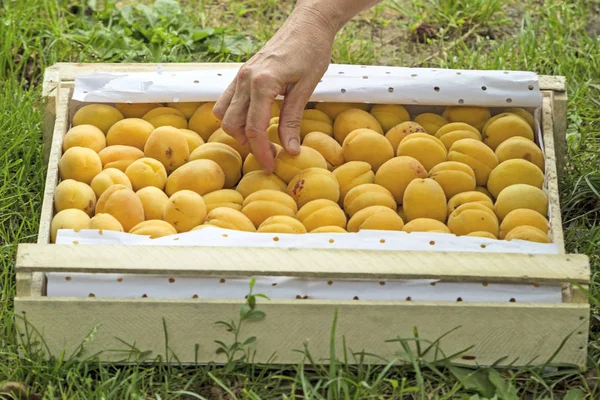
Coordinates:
231 128
263 78
245 72
292 124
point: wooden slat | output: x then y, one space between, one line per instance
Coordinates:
349 264
554 83
519 333
559 127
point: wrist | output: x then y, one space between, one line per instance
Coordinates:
325 15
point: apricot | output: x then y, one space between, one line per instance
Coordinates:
397 173
482 234
453 177
287 166
221 137
424 198
105 222
84 136
398 132
169 146
529 233
185 210
425 225
155 228
469 197
334 109
200 176
275 109
430 122
228 218
146 172
496 117
316 115
327 146
329 229
476 155
313 183
520 217
102 116
281 224
259 180
472 217
187 108
228 159
475 116
523 113
266 203
119 156
505 127
73 194
389 115
80 164
427 149
456 126
136 110
70 218
483 190
351 120
107 178
193 139
521 196
352 174
154 201
315 121
204 122
369 146
400 212
451 137
129 132
366 195
321 212
375 217
511 172
223 198
251 164
166 116
518 147
122 203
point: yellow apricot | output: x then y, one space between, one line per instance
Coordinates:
511 172
526 115
505 127
430 122
424 198
84 136
119 156
427 149
281 224
389 115
221 137
476 155
456 126
102 116
200 176
73 194
316 115
425 225
287 166
273 134
136 110
475 116
169 146
155 228
352 174
483 190
223 198
369 146
521 196
397 173
529 233
122 203
329 229
315 121
154 202
204 122
166 116
375 217
193 139
129 132
334 109
321 212
185 210
523 216
327 146
187 108
228 159
453 177
105 222
519 147
70 218
146 172
107 178
351 120
482 234
366 195
313 183
472 217
228 218
259 180
398 132
79 163
469 197
262 204
251 164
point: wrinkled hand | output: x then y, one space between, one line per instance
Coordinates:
290 64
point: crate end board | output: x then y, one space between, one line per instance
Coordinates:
480 334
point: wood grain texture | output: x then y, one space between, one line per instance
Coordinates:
50 96
518 333
551 176
334 263
554 83
559 122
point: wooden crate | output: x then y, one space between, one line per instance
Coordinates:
503 333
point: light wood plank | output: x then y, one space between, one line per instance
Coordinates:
50 96
554 83
522 333
559 119
335 263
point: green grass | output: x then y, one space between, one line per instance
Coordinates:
558 37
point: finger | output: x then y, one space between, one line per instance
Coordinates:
264 91
224 100
290 117
234 121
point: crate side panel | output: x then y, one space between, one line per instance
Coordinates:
484 334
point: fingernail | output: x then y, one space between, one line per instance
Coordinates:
294 144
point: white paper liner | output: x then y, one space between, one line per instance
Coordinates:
341 83
418 89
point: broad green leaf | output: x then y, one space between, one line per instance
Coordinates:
505 390
256 314
575 394
474 380
167 8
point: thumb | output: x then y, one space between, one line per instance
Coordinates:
290 118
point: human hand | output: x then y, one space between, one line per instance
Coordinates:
290 64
